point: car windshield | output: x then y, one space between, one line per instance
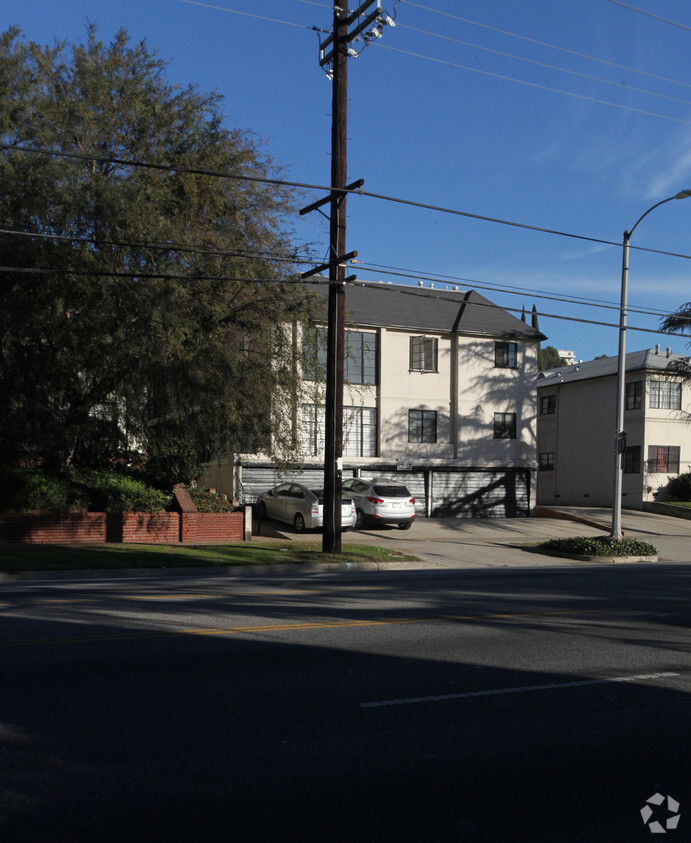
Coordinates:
391 491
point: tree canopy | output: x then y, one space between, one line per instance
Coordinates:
138 304
548 358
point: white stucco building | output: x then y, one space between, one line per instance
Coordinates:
439 392
577 425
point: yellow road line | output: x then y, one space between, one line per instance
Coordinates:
295 627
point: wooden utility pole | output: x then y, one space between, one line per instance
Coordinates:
335 347
337 58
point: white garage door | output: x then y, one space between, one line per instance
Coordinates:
480 494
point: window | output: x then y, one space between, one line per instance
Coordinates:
423 354
665 395
361 357
663 459
314 351
505 355
422 426
313 430
632 460
548 405
547 461
634 395
359 432
504 425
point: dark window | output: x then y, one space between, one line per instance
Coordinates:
361 357
632 460
505 355
423 354
504 425
665 395
547 461
422 426
663 459
314 353
548 405
634 395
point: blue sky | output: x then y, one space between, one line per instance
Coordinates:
465 105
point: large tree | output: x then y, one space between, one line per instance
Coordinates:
135 299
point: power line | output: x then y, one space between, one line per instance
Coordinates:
536 85
651 15
324 188
414 291
245 14
297 282
619 85
504 288
172 247
547 44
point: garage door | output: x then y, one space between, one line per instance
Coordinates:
257 479
480 494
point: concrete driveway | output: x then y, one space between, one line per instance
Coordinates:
496 543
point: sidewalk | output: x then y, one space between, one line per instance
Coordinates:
495 542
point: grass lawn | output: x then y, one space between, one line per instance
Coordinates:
15 558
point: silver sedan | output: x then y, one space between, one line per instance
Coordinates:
295 504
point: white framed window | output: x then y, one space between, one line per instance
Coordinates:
424 353
359 431
665 395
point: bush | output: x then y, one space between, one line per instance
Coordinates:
27 489
108 491
600 546
207 501
679 488
76 490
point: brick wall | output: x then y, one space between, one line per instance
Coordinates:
47 528
211 527
146 528
129 527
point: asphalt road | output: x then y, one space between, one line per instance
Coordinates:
496 705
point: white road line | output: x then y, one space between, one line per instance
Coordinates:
520 690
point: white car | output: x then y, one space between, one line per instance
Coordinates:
381 501
295 504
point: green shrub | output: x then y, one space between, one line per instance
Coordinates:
600 546
679 488
28 489
76 490
109 491
207 501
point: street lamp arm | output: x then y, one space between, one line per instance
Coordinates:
681 195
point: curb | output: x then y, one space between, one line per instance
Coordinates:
218 570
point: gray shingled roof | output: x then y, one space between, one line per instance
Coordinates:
439 310
650 359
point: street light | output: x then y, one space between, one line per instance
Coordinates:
620 438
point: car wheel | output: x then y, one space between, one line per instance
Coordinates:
299 523
261 511
360 520
405 525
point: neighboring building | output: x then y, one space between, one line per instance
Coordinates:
577 425
439 392
569 357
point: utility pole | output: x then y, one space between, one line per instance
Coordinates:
334 52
